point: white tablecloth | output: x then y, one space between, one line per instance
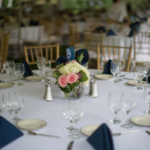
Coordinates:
96 111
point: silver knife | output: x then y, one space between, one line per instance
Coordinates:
123 75
148 132
70 145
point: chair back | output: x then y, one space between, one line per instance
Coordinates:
104 53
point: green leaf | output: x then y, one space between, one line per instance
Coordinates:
81 57
66 89
60 66
78 58
56 74
56 82
83 77
74 84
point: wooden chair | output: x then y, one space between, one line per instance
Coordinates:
4 50
50 52
104 53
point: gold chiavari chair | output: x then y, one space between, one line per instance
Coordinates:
104 53
50 52
4 50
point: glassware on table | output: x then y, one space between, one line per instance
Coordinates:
10 68
18 105
74 112
41 63
47 68
147 98
19 71
114 70
120 65
8 102
146 68
138 76
127 104
114 103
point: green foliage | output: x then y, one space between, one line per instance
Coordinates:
74 84
59 66
83 77
5 3
79 58
56 74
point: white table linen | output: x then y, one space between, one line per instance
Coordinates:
96 111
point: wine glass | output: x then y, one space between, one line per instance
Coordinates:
120 65
18 105
138 76
74 112
19 71
146 71
10 68
127 104
41 63
114 103
114 70
47 68
8 102
147 98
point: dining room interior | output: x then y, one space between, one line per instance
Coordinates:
74 74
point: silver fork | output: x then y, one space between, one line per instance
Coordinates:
126 132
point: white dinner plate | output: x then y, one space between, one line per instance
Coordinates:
34 78
133 82
141 120
31 124
103 76
88 130
5 85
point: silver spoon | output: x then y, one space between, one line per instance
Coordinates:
126 132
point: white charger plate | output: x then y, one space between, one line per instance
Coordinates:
34 78
5 85
88 130
141 120
133 82
31 124
103 76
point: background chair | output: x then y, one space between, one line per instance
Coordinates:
104 53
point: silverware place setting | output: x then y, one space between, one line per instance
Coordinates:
126 132
70 145
148 132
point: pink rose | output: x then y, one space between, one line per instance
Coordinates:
71 78
62 81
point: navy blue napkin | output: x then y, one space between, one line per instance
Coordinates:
98 29
134 27
101 139
107 67
8 132
28 71
61 59
111 33
86 55
144 79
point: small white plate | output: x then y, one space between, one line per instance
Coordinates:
133 82
88 130
103 76
141 120
31 124
5 85
34 78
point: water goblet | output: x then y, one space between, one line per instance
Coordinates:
18 105
114 70
47 68
10 68
19 71
127 104
114 103
146 95
138 76
41 63
120 65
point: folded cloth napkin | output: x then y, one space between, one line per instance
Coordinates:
101 139
86 55
8 132
148 73
107 67
60 60
110 33
28 71
98 29
134 27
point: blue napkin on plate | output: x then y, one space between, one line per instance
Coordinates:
148 73
101 139
86 55
107 67
134 27
61 59
28 71
98 29
111 33
8 132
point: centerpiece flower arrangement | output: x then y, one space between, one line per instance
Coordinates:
71 78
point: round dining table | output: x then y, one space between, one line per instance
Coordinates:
96 112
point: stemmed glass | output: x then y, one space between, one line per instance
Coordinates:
114 70
120 65
41 63
19 71
74 112
138 76
8 102
18 105
47 68
147 98
10 68
145 71
114 103
127 104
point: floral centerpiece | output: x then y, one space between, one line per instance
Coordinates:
71 78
